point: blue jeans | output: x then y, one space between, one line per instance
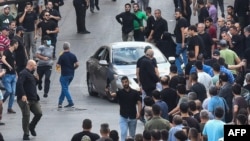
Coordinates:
65 81
125 124
178 59
9 82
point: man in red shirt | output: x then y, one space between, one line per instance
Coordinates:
4 41
211 30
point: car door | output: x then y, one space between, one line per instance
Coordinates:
103 71
93 66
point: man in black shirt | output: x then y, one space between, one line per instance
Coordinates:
236 42
181 24
49 28
150 22
28 99
86 133
196 43
203 14
29 20
80 7
128 98
222 26
207 40
126 19
9 79
160 26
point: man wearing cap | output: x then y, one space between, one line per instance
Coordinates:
21 53
6 17
29 20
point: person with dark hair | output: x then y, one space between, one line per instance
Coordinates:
211 30
239 102
193 134
28 19
128 112
164 134
191 121
155 135
174 77
45 55
21 52
241 119
81 7
241 8
181 92
177 126
181 50
198 87
193 109
225 91
138 34
138 137
180 135
126 19
68 63
157 122
203 11
104 131
195 43
9 79
191 62
230 10
160 26
212 11
236 43
216 70
146 135
156 95
48 27
185 6
203 77
150 22
168 94
214 129
87 126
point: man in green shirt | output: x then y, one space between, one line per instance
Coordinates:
138 26
6 17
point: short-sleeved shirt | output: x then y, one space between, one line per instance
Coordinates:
67 61
79 136
1 95
127 101
49 25
29 21
214 129
195 41
45 52
241 102
138 63
180 23
229 56
4 42
10 58
5 20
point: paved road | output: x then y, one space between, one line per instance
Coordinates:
61 125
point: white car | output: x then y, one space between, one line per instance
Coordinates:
118 59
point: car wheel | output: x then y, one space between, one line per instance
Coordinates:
90 87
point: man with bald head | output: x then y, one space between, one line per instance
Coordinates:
147 74
28 99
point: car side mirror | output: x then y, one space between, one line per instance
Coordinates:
103 62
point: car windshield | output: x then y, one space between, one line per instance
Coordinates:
130 55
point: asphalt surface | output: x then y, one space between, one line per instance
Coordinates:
61 125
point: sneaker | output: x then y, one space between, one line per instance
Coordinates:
45 95
40 86
69 106
32 131
26 137
59 106
11 111
1 123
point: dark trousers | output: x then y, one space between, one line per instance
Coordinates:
41 71
26 108
138 35
80 16
221 5
93 3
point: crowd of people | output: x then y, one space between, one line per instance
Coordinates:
204 90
